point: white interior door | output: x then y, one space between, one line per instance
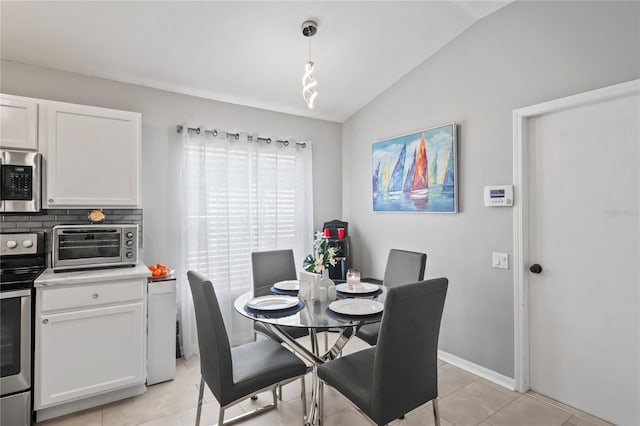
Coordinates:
584 231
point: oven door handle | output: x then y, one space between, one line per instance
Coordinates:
16 293
1 183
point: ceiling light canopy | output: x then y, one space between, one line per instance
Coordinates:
309 93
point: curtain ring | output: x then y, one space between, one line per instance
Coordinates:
197 130
214 133
303 144
237 136
268 140
286 143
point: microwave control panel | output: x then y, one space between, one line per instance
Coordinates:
17 182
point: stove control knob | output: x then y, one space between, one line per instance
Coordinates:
27 243
11 244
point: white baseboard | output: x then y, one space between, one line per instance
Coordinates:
478 370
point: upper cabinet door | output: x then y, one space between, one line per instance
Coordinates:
93 157
18 123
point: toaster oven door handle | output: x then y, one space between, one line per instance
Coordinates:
88 231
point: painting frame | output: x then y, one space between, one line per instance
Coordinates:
416 172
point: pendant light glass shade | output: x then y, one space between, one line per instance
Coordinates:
308 84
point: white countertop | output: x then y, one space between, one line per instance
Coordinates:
50 278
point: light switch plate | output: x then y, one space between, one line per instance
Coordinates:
500 260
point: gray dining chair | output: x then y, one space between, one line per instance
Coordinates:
400 373
402 267
270 267
234 374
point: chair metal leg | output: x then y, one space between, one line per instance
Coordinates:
256 411
280 392
249 414
200 397
274 392
313 336
221 416
303 397
436 411
326 341
320 402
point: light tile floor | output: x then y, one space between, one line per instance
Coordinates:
465 399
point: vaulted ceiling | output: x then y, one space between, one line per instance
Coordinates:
249 53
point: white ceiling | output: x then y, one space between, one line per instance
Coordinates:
249 53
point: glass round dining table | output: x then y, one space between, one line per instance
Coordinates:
309 313
313 315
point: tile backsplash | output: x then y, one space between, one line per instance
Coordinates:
47 219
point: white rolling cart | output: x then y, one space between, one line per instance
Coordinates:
161 329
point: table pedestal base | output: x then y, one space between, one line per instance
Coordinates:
315 359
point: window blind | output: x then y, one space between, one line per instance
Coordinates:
241 197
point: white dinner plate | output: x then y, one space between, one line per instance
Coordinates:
361 288
356 307
289 285
273 303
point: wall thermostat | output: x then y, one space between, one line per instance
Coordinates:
498 195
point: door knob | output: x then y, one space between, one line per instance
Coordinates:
535 268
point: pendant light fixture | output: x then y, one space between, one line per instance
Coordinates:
309 93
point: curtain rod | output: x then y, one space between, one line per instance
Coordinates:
214 132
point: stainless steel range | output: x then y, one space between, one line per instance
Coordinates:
21 261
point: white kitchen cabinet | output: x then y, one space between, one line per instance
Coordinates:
18 123
93 157
90 340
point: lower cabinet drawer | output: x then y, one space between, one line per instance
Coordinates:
90 295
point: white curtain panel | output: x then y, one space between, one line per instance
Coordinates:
239 197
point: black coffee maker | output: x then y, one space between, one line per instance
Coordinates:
337 234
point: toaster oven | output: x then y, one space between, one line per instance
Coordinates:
94 246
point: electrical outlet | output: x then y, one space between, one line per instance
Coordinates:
500 260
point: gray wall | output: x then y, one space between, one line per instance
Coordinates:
526 53
161 111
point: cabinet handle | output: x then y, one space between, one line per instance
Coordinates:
95 295
51 200
45 321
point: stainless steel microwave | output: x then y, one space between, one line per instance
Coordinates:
20 181
94 246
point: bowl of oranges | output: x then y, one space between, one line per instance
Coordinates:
160 270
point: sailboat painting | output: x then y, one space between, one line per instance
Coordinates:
416 172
